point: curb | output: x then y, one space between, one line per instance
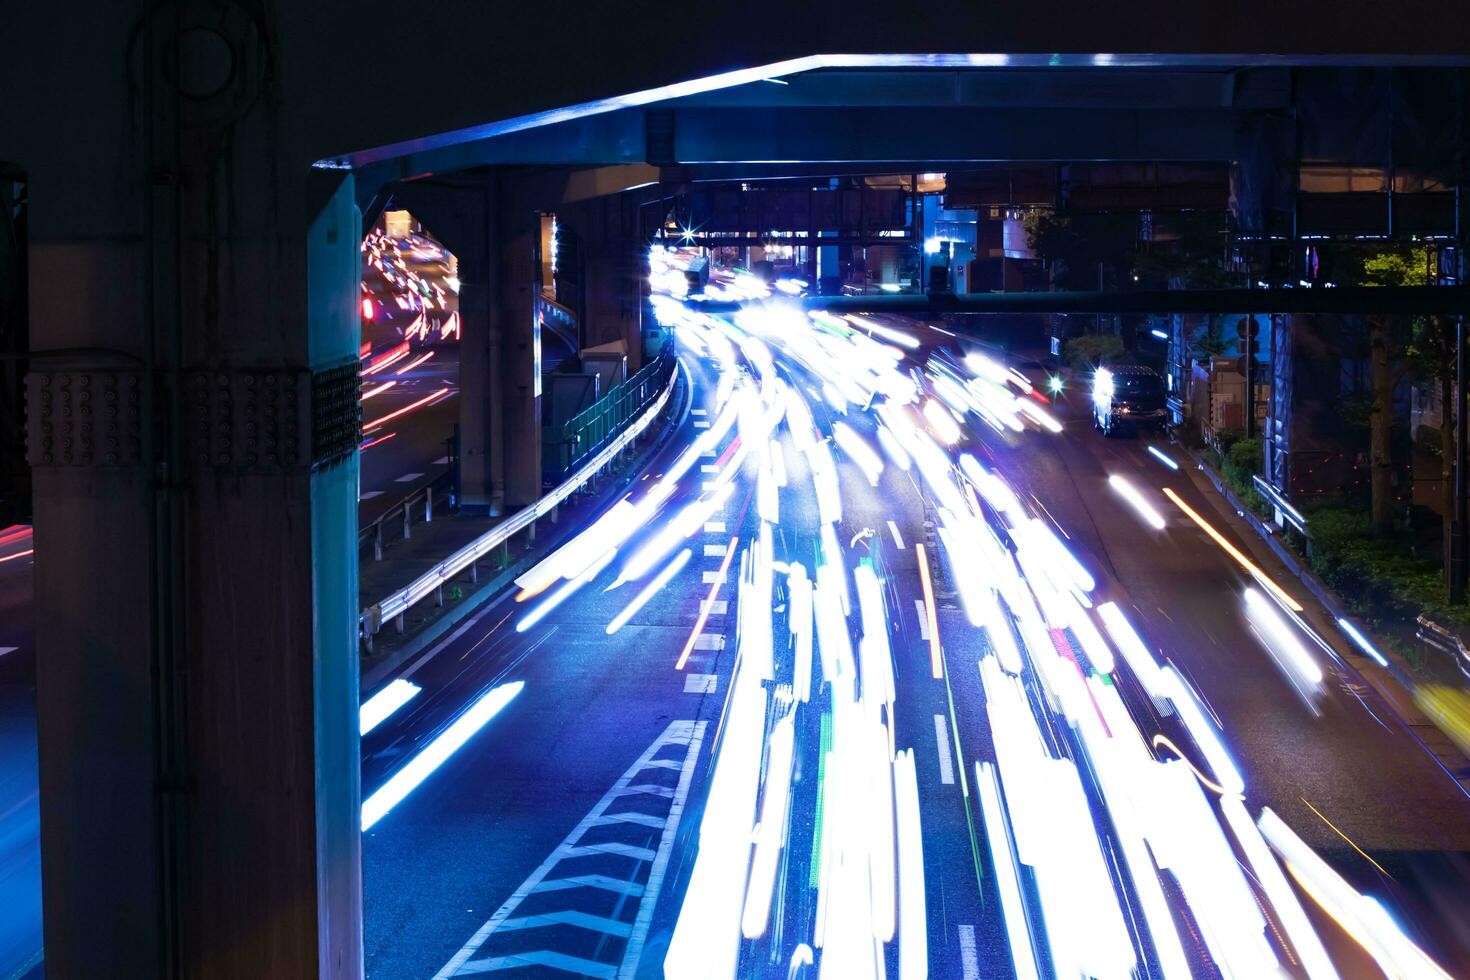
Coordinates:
501 580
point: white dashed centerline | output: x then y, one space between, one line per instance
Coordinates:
941 739
700 683
897 538
408 478
969 958
923 619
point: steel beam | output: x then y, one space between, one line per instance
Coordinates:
1388 300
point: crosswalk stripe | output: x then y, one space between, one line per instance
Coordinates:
614 847
687 736
593 881
582 920
542 957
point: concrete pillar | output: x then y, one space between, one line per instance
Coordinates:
192 408
490 225
513 320
614 260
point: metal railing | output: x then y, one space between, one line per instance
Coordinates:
559 320
400 515
432 582
1436 637
567 446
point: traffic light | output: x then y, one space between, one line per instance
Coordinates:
1248 348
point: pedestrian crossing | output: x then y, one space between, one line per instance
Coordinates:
587 909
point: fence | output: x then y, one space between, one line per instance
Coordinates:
400 515
1436 637
467 558
566 447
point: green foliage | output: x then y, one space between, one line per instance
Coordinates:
1211 341
1089 350
1401 266
1378 575
1243 460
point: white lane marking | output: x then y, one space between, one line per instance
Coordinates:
897 538
5 650
713 576
716 607
969 959
701 425
688 733
442 460
707 454
714 527
709 641
371 494
700 683
698 411
709 468
714 550
941 738
408 478
923 619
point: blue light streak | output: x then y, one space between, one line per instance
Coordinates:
1361 642
376 709
422 766
1159 455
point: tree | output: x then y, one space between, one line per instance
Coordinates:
1393 266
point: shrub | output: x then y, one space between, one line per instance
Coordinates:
1377 574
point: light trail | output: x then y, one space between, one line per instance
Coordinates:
378 390
373 442
1135 499
397 413
1234 552
936 657
437 752
18 554
649 591
1159 455
415 362
376 709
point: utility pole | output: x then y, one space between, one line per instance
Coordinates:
1457 524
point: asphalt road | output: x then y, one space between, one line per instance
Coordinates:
578 828
20 850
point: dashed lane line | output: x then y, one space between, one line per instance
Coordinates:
941 740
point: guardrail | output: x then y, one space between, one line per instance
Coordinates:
560 320
432 582
401 514
1436 637
584 434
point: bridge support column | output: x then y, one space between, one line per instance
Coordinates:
491 230
193 438
613 271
